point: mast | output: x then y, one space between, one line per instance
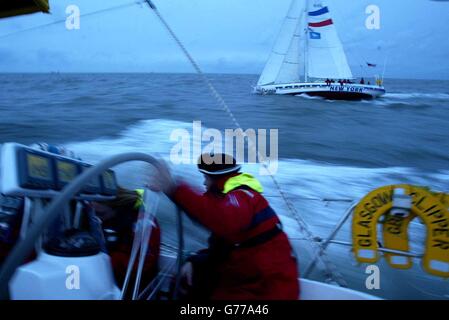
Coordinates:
306 44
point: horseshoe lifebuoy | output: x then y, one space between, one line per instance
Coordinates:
395 236
431 208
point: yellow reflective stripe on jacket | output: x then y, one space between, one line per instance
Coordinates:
244 179
139 201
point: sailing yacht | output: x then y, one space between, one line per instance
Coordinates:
308 58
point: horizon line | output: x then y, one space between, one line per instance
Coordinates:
186 73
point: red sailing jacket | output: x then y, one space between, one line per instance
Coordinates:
236 215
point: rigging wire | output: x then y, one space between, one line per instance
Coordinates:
126 5
157 282
331 269
314 199
359 56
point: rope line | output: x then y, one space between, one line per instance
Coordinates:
126 5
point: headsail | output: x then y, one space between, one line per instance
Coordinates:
283 64
291 66
325 56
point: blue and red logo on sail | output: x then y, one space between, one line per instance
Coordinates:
314 35
318 13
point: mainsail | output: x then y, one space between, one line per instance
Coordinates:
284 62
325 55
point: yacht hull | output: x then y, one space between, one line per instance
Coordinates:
331 92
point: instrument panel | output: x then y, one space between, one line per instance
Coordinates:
30 172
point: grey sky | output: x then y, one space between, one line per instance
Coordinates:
232 36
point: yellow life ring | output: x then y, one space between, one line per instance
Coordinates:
444 198
425 205
395 236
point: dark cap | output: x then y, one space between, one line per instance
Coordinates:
217 164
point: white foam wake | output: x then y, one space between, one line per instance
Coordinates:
299 178
417 95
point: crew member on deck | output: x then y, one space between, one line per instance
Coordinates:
249 256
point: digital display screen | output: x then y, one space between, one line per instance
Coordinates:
109 183
94 185
39 167
67 171
49 173
109 180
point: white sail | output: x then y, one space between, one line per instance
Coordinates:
283 64
325 54
291 66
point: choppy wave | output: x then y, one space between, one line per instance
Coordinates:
308 97
401 104
414 100
300 178
417 95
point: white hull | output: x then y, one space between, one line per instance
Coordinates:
334 91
